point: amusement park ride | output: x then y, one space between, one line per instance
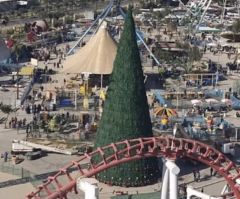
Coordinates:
112 4
197 11
168 148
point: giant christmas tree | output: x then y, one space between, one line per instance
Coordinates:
126 113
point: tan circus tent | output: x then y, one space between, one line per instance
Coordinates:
96 57
4 51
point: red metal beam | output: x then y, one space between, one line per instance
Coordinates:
143 147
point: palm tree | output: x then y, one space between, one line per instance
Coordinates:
6 109
17 50
236 27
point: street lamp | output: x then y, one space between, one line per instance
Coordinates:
175 130
174 134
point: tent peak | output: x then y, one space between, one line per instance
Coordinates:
104 25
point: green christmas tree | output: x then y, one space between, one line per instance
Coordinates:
126 113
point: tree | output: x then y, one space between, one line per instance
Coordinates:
6 109
236 28
126 113
193 54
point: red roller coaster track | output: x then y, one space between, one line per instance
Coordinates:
134 149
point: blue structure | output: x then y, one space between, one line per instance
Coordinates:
235 102
66 103
141 34
159 97
216 93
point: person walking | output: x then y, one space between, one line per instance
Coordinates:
194 175
5 156
211 171
198 176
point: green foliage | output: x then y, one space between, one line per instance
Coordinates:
69 19
194 54
18 49
56 15
126 113
53 124
162 14
163 55
33 3
6 109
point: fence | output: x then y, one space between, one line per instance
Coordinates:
14 170
23 174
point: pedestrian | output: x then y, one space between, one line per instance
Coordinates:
5 156
198 175
184 189
24 121
211 171
87 127
194 176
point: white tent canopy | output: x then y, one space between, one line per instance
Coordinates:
96 57
4 51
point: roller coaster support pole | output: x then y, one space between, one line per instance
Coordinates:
173 179
165 181
224 9
141 39
104 16
93 24
202 17
89 186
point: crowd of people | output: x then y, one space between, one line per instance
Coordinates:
17 123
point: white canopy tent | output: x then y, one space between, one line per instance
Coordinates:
96 57
4 51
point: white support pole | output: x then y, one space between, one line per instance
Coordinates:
165 185
173 186
225 189
165 181
204 12
224 9
164 168
89 186
102 20
75 98
101 81
173 179
191 192
106 10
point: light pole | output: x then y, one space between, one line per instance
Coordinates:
174 134
17 83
